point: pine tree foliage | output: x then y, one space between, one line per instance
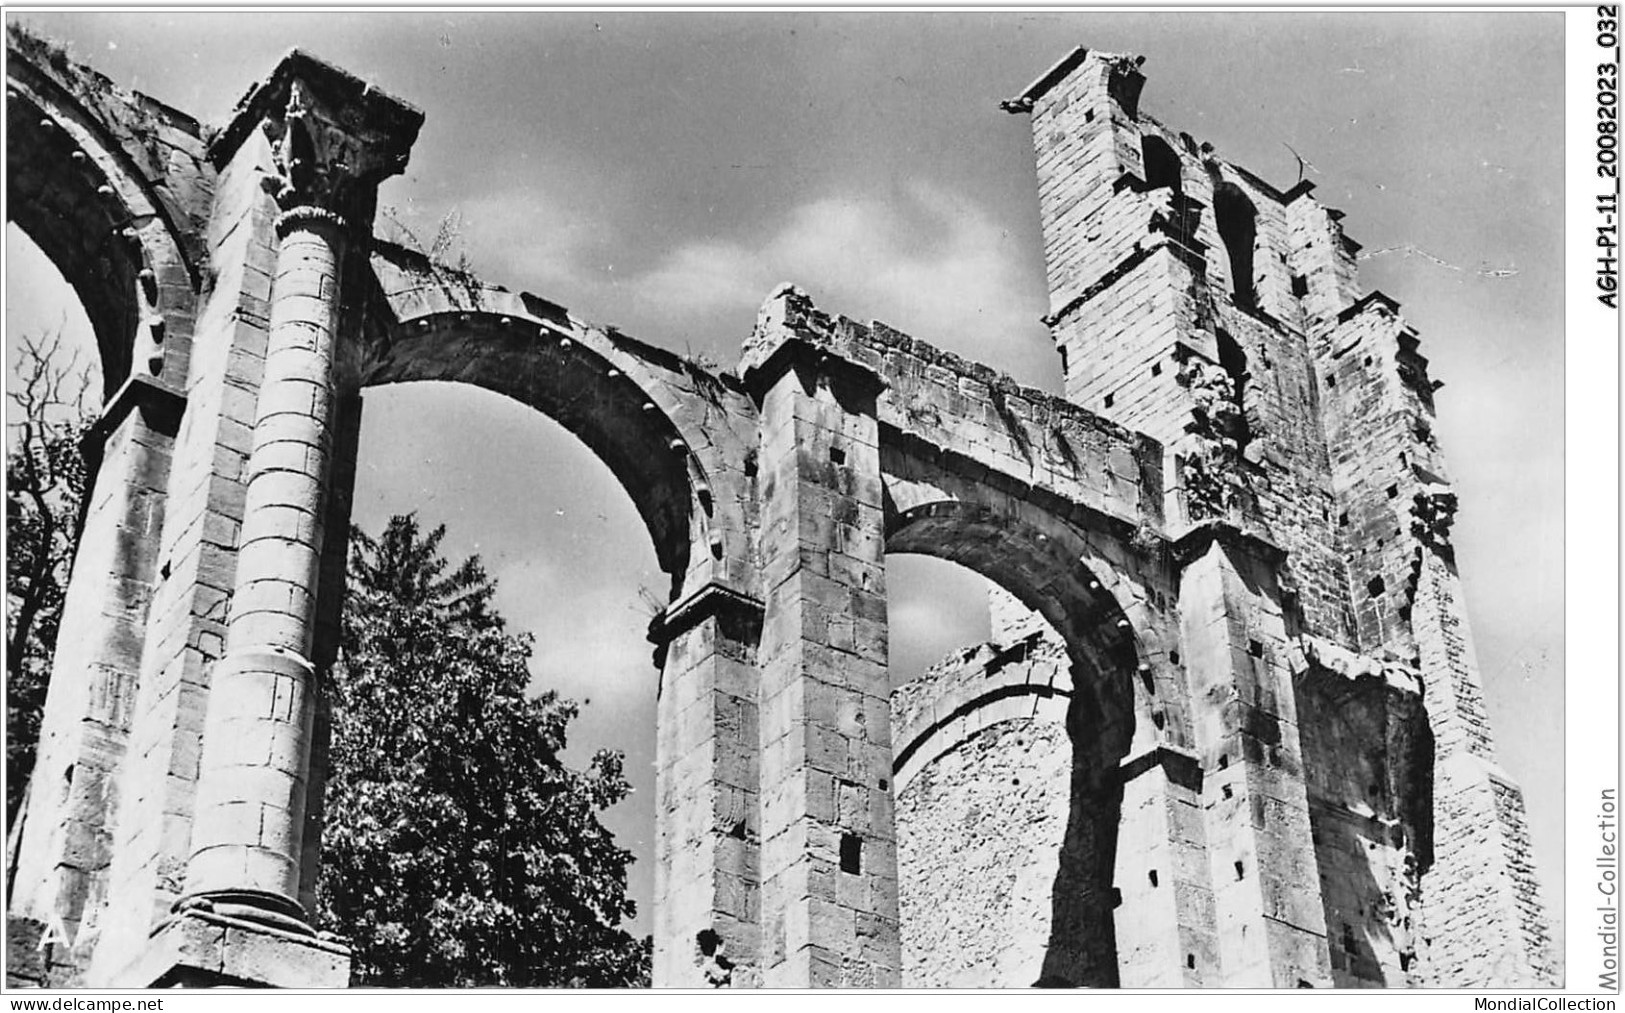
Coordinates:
458 849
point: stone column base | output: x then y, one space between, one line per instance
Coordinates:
200 949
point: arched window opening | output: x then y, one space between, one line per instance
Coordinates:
997 739
1234 362
53 387
1237 221
1161 163
573 570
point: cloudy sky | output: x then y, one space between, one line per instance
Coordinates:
663 172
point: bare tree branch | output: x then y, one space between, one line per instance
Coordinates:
45 479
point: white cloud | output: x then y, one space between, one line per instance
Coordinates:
924 259
704 277
960 288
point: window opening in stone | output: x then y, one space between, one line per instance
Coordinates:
837 455
1030 813
495 503
1233 360
1063 359
1190 961
1109 399
1375 586
1161 163
1300 285
1241 870
1152 875
851 853
1255 648
1237 221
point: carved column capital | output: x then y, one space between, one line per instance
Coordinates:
333 138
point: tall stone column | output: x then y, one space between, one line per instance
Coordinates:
332 139
829 847
247 831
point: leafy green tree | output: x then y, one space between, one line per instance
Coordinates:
45 484
458 849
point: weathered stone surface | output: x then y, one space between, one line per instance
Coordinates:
1230 730
199 949
1351 822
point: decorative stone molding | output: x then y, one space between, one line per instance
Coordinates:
332 136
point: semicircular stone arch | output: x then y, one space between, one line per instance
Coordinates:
1020 746
109 186
1102 585
666 430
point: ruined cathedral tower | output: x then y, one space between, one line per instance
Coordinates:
1326 808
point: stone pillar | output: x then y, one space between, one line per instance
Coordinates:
240 917
828 860
708 833
1164 930
65 844
1271 927
346 432
247 831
